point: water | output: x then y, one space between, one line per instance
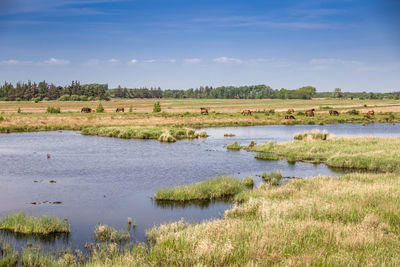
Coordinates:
107 180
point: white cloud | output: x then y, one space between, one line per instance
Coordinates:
227 60
113 60
192 60
55 61
133 61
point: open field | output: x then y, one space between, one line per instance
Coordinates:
186 113
216 105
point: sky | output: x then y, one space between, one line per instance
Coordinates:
178 44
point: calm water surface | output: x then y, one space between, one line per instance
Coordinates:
107 180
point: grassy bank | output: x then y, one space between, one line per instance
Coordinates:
170 134
26 224
215 188
369 153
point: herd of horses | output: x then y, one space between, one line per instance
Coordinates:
204 111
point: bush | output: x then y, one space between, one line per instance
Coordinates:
353 112
100 108
75 98
18 99
83 98
36 99
91 98
157 107
19 110
53 110
64 98
1 118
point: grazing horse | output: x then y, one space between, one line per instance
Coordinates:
289 117
246 112
290 110
371 112
310 112
333 112
87 110
120 110
203 110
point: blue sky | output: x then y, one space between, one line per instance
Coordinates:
177 44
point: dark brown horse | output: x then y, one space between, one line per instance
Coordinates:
333 112
290 110
203 110
246 112
371 112
310 112
289 117
86 110
120 110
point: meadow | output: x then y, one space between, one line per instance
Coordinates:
186 113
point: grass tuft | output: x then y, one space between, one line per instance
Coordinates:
234 146
215 188
105 233
273 178
26 224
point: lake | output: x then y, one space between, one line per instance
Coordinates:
106 180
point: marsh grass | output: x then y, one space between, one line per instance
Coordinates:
229 134
364 153
273 178
105 233
8 254
170 134
215 188
234 146
313 135
26 224
249 181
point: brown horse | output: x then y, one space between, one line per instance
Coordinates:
86 110
333 112
310 112
93 110
246 112
371 112
289 117
120 110
290 110
203 110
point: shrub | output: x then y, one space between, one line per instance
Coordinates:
234 146
53 110
83 98
1 118
75 98
273 178
65 98
100 108
46 99
18 99
353 112
91 98
19 110
157 107
36 99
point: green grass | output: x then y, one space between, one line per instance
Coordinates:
170 134
215 188
105 233
369 153
249 181
26 224
234 146
8 254
273 178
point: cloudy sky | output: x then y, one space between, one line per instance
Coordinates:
177 44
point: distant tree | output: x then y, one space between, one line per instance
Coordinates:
100 108
337 93
157 107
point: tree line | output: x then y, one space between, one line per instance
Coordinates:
222 92
45 91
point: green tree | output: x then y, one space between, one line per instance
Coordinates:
100 108
157 107
337 93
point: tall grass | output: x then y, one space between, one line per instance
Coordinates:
366 153
105 233
215 188
8 254
273 178
26 224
